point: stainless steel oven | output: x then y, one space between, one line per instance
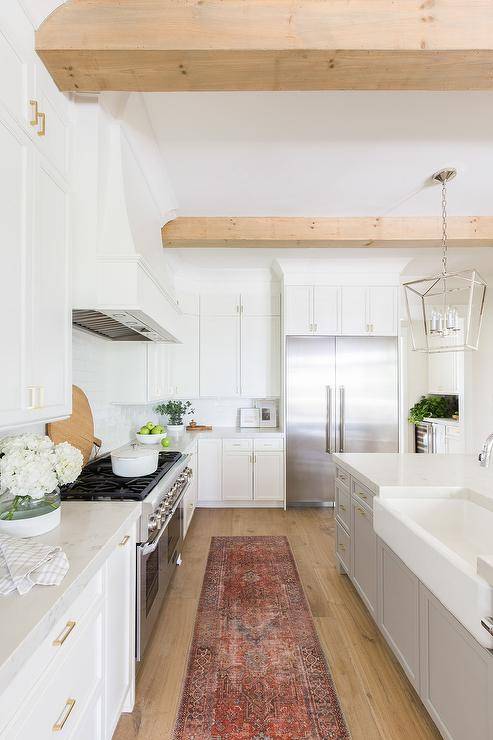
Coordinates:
156 562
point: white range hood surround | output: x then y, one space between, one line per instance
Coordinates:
120 270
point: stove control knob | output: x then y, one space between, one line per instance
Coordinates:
188 472
152 524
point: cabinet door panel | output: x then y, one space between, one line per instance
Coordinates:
269 476
456 674
260 356
209 469
55 142
298 315
442 372
16 62
364 556
326 311
237 476
50 325
399 610
256 303
119 630
354 314
158 366
219 354
14 235
185 359
383 310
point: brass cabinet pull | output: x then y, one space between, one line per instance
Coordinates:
361 511
64 715
64 634
124 541
42 118
342 507
341 546
34 106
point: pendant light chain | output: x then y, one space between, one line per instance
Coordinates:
444 227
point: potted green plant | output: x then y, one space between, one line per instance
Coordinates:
175 411
436 407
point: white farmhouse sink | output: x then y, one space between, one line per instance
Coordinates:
440 540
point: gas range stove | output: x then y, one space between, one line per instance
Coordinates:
159 492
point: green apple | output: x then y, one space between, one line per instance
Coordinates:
156 430
165 442
144 430
150 425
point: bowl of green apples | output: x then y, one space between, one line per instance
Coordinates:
151 434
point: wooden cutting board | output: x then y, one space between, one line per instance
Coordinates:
78 429
193 427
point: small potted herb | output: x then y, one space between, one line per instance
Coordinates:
437 407
175 411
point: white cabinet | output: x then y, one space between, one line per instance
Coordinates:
219 304
354 310
326 310
54 121
364 555
34 231
119 630
190 498
260 356
268 471
219 356
298 302
81 675
139 373
347 310
185 359
209 463
237 475
49 330
443 372
382 311
260 303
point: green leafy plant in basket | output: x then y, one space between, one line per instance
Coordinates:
436 407
175 411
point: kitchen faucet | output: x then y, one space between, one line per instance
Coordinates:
485 454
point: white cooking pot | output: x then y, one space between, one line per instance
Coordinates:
134 460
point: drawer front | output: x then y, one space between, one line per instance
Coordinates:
342 476
237 445
53 648
453 431
58 705
343 506
343 547
362 493
272 443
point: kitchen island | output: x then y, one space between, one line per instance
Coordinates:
414 533
68 651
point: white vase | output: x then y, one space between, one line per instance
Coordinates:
174 430
31 517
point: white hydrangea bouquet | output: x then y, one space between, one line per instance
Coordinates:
31 469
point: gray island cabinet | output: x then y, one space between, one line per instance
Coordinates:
449 669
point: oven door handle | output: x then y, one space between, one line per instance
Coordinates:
146 548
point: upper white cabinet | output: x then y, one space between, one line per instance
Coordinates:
34 229
219 356
52 130
346 310
260 356
139 372
354 310
260 303
443 372
185 359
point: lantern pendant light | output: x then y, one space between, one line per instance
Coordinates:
445 311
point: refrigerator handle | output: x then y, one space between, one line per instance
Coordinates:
328 420
341 419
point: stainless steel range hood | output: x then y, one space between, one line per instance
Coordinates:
121 326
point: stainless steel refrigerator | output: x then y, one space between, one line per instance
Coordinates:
341 396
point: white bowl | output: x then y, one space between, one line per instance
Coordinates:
150 439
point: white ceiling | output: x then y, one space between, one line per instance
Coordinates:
324 153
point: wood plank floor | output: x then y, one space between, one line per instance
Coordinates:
377 699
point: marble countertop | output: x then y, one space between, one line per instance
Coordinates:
88 533
379 470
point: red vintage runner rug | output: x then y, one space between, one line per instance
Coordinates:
256 670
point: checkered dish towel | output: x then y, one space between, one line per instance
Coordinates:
24 563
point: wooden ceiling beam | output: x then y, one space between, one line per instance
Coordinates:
181 45
351 232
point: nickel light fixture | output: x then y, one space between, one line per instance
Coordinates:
445 311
